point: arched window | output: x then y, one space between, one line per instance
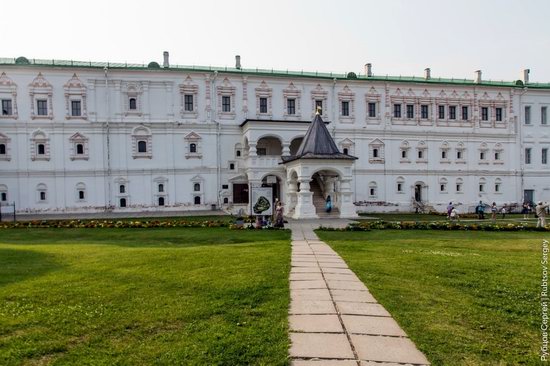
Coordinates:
133 103
443 185
142 146
346 151
161 201
372 189
232 166
374 153
197 187
459 183
225 200
41 149
4 197
197 200
2 149
42 196
161 188
238 153
122 202
403 154
420 154
193 148
81 195
400 184
498 183
79 149
122 188
42 192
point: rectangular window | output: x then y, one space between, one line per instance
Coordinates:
544 156
399 187
459 155
484 113
410 111
76 111
372 109
397 110
42 196
291 106
6 107
498 114
188 101
497 187
464 113
443 154
319 106
482 187
527 115
528 155
424 111
543 117
345 108
226 103
441 111
263 105
482 155
497 155
42 107
459 187
452 112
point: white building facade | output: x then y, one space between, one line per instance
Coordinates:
89 137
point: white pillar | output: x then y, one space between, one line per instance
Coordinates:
291 196
252 148
347 208
286 149
304 205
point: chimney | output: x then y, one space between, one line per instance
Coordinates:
427 73
238 62
165 63
368 70
525 78
477 77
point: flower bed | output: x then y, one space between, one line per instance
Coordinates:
434 225
95 224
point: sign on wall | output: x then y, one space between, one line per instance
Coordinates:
262 201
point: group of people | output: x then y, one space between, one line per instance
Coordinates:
540 211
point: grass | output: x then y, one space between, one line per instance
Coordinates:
465 298
143 296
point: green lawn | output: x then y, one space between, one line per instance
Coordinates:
465 298
143 296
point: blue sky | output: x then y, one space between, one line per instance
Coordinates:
399 37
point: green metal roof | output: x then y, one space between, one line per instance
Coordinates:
265 72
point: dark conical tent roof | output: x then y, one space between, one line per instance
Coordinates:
318 144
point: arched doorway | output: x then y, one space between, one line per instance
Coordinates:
269 146
324 186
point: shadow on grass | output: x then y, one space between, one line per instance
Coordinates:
19 265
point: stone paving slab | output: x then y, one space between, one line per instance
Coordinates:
388 349
334 319
326 363
306 306
320 345
315 323
374 325
361 308
311 294
306 276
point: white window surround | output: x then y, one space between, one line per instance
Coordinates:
189 87
4 190
346 95
4 139
319 94
498 182
197 179
373 96
373 190
291 92
483 148
462 149
75 90
8 90
376 144
498 149
40 137
347 144
264 91
421 146
459 183
142 133
76 139
193 138
445 147
133 90
156 193
80 187
41 89
226 90
401 181
443 184
404 148
41 187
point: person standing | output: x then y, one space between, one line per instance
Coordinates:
328 205
480 210
279 219
503 211
525 210
454 215
449 209
494 210
540 210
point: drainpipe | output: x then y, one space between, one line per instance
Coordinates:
213 106
107 132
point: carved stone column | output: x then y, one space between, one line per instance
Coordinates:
304 205
286 149
291 196
347 208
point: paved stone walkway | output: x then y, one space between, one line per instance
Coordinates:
334 320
